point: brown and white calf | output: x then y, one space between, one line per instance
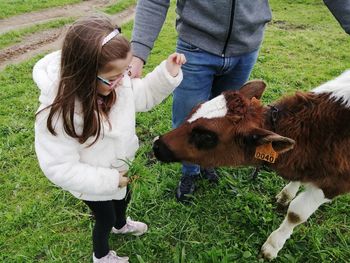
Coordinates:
305 138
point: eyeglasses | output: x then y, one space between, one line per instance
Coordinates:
112 84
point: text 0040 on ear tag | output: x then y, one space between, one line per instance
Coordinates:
266 153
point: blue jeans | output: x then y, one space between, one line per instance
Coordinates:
206 76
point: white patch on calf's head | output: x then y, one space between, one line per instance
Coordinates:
339 88
214 108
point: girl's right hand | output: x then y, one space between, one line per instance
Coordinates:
123 180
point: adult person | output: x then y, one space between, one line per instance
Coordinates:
220 40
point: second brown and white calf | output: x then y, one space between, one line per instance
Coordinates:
305 138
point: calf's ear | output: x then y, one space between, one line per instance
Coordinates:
253 88
279 143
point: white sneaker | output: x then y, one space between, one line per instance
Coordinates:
111 257
131 227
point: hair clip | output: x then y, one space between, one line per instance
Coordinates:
111 35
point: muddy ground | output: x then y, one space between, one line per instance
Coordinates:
51 39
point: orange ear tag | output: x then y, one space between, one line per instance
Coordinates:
266 153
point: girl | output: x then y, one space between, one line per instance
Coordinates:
85 125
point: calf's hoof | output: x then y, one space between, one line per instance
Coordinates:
268 251
283 199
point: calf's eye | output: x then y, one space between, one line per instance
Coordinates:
203 139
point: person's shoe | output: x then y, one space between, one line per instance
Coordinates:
210 174
111 257
186 187
131 227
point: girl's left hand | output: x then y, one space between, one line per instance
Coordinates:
174 63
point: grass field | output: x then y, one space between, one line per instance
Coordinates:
15 7
119 6
303 47
16 36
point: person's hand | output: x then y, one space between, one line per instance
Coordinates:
174 63
136 66
123 180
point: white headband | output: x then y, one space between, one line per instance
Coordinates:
114 33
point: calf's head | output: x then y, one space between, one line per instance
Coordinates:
224 131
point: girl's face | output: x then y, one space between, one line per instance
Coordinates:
111 75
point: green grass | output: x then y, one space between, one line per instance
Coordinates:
40 223
16 7
16 36
119 6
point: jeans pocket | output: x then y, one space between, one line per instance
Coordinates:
185 46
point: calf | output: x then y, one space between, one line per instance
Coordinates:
305 138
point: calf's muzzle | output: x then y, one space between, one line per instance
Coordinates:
162 152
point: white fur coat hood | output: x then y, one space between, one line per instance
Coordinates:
92 173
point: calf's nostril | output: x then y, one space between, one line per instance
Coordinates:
162 152
155 145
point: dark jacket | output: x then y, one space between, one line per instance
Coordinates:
221 27
341 11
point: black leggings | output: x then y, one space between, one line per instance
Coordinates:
107 214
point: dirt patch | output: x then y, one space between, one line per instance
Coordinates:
48 40
287 26
29 45
46 15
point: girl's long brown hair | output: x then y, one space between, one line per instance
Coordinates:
82 57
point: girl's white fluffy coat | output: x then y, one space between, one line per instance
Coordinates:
91 173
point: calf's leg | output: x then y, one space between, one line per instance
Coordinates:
288 193
300 209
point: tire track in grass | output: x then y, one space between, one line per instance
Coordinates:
48 40
49 14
